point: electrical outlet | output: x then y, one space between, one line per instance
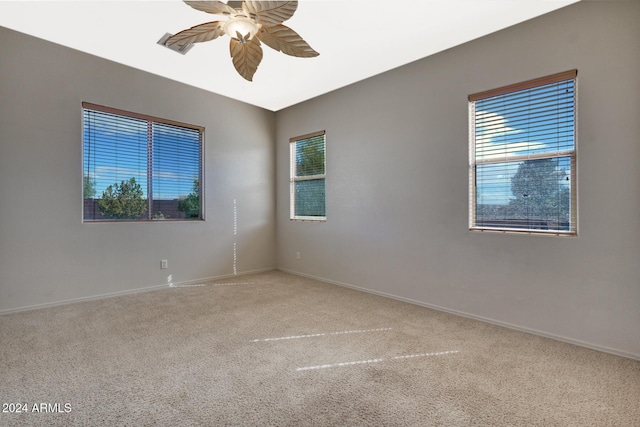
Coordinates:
164 264
297 255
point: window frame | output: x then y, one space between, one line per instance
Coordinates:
567 153
293 178
87 106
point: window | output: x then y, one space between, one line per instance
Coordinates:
140 168
308 167
522 162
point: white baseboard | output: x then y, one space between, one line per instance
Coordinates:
579 343
129 291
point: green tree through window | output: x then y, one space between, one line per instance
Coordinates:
190 205
122 201
540 192
88 187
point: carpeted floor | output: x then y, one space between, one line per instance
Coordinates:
279 350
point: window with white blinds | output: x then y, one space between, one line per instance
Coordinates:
140 168
522 162
308 173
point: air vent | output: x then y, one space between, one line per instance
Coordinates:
180 48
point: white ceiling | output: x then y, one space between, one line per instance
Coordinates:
356 39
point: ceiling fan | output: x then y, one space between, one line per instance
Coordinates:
247 23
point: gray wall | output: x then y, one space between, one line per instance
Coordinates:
397 184
47 254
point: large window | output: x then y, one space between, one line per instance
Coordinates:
140 168
308 173
522 163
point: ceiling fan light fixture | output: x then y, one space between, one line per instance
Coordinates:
241 28
249 24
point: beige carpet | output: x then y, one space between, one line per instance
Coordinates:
280 350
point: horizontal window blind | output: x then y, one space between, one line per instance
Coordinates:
308 174
522 170
176 169
138 167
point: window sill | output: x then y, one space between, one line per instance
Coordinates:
515 231
309 218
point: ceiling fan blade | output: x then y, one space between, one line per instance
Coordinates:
269 13
285 40
216 7
199 33
246 57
